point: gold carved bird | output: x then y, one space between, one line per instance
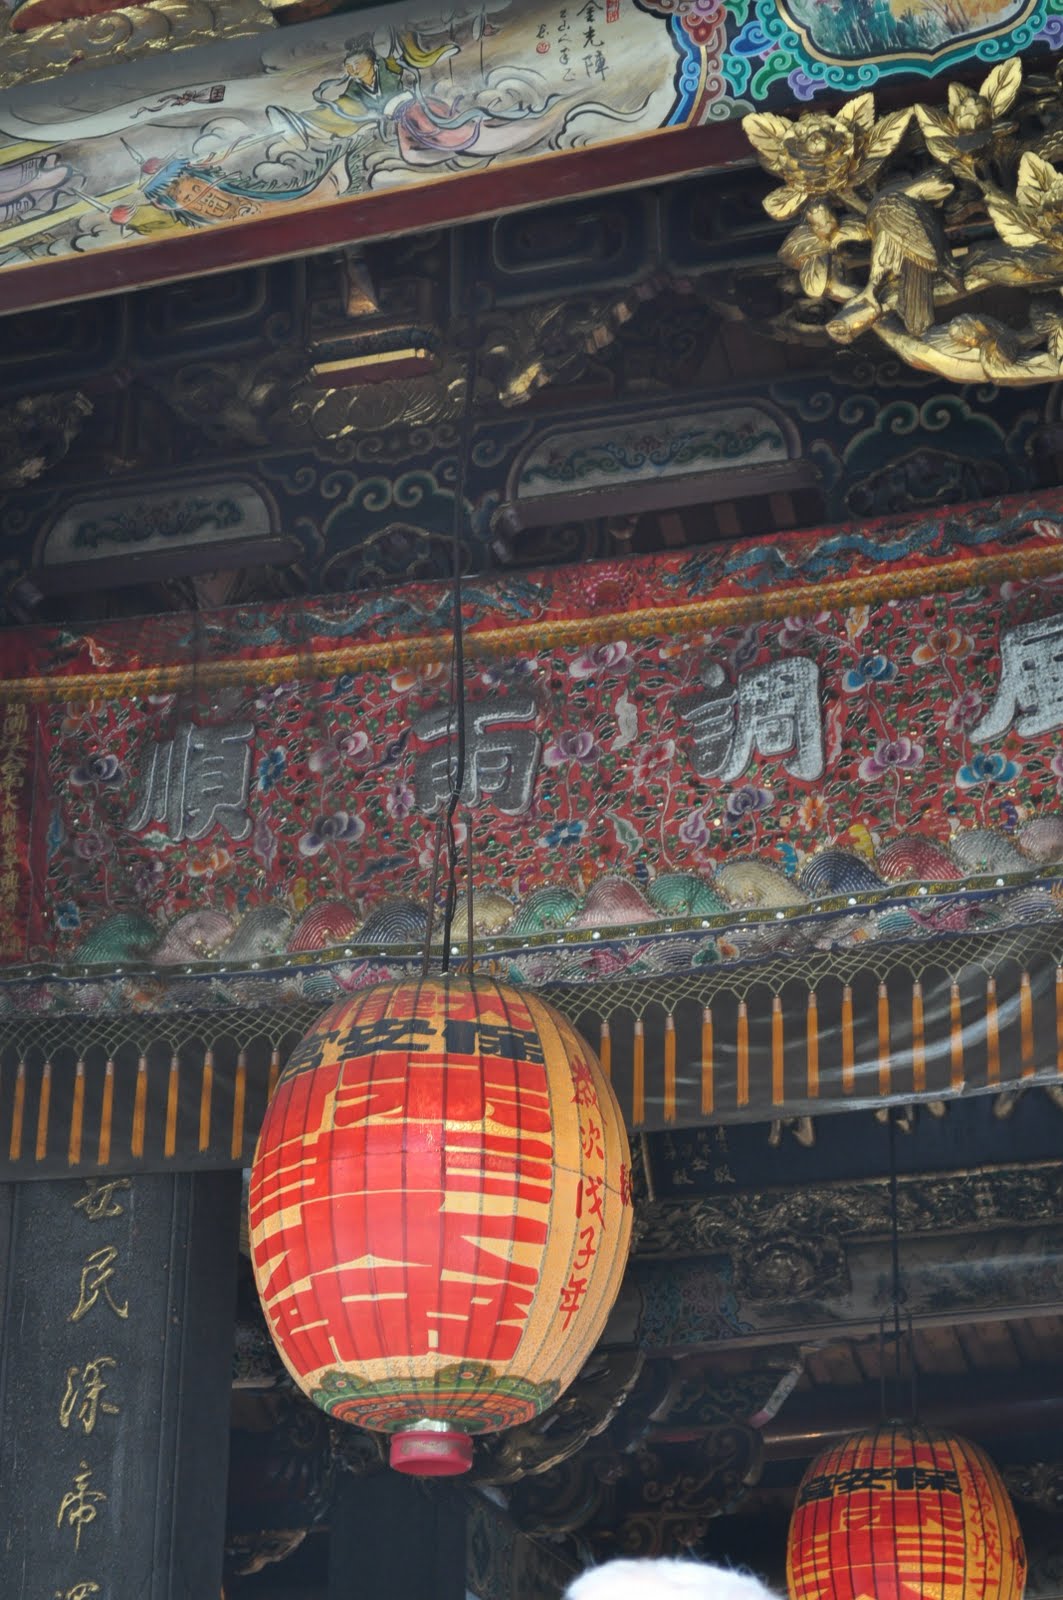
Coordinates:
908 255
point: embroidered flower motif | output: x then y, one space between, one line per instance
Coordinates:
271 769
273 696
891 755
342 827
694 830
148 877
654 760
508 672
210 863
603 658
964 711
812 813
856 621
574 748
103 771
67 916
943 644
91 845
986 769
563 833
346 747
399 801
422 677
747 801
795 630
264 842
745 651
869 669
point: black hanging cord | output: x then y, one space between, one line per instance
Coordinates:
895 1262
458 672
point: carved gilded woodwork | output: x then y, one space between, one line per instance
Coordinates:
939 228
759 1228
125 35
35 434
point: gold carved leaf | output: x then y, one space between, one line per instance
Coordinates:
859 113
1010 222
766 132
934 186
1002 85
814 275
887 135
1036 181
783 203
938 134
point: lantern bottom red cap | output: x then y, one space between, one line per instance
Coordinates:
431 1452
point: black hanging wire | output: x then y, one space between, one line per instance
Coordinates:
898 1296
446 836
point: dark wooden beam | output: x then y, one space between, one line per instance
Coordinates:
981 1404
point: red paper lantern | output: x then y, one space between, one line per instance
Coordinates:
904 1513
440 1212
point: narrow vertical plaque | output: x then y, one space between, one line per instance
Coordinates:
115 1361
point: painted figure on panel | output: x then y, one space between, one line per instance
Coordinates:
863 30
297 122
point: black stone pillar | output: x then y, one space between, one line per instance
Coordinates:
396 1539
118 1302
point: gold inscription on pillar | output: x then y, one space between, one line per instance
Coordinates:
96 1276
83 1398
80 1506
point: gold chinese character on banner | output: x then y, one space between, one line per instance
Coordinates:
96 1277
83 1399
99 1201
80 1505
80 1591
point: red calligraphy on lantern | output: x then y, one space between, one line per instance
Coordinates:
572 1298
590 1199
583 1082
587 1251
591 1135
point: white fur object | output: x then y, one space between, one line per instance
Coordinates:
665 1580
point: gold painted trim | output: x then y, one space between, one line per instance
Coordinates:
493 643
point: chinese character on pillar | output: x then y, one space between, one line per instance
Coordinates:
773 710
195 780
1030 692
501 754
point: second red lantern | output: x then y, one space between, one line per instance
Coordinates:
904 1513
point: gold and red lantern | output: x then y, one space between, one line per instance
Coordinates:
440 1212
904 1513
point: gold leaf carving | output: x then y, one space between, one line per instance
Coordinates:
979 161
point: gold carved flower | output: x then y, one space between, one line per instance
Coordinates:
809 248
820 155
974 119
